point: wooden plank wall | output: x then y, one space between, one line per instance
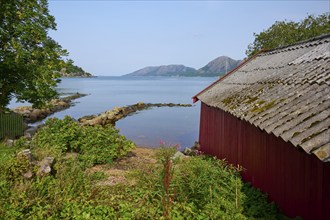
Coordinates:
11 125
298 182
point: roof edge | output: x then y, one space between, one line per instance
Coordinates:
320 37
195 99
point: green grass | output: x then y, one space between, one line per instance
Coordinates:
197 187
6 152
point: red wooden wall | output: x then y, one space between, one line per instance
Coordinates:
297 182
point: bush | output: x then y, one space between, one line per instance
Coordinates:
197 187
94 144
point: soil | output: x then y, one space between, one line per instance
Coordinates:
140 158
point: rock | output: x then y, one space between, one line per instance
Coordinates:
25 113
28 175
95 121
196 146
187 151
30 132
62 104
140 105
27 153
117 113
25 126
10 142
179 155
85 118
194 151
45 166
37 112
32 117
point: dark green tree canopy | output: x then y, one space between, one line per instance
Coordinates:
29 58
284 33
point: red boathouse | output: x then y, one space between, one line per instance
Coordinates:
271 115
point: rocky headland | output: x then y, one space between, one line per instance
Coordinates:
31 115
111 116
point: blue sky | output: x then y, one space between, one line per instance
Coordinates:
119 37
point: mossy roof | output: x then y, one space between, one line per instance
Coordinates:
285 91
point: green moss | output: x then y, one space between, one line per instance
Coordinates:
312 115
250 99
263 108
314 135
229 100
281 100
296 134
314 123
232 101
260 102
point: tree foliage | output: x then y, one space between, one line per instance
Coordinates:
29 58
283 33
71 70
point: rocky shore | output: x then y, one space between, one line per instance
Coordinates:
111 116
31 115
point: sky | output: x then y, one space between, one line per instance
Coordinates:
113 38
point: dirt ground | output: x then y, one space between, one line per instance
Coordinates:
140 158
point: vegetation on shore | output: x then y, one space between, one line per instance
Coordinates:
31 114
30 58
283 33
70 70
155 187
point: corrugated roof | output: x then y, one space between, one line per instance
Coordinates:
285 92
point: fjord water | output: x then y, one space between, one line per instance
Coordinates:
173 125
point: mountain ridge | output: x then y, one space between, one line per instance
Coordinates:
217 67
163 70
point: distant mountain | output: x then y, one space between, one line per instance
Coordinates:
219 66
165 70
216 67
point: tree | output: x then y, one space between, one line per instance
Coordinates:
72 70
284 33
29 59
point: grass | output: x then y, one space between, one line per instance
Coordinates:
6 152
143 184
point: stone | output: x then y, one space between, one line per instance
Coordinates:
30 132
10 142
33 116
28 175
62 103
179 155
196 146
187 151
27 153
95 121
45 166
37 112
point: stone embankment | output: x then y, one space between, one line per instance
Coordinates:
31 115
111 116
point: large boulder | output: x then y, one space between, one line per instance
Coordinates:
30 132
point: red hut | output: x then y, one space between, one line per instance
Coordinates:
271 115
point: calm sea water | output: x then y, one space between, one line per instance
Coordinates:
173 125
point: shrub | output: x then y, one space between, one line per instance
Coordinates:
94 144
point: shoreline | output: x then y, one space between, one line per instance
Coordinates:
32 115
118 113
